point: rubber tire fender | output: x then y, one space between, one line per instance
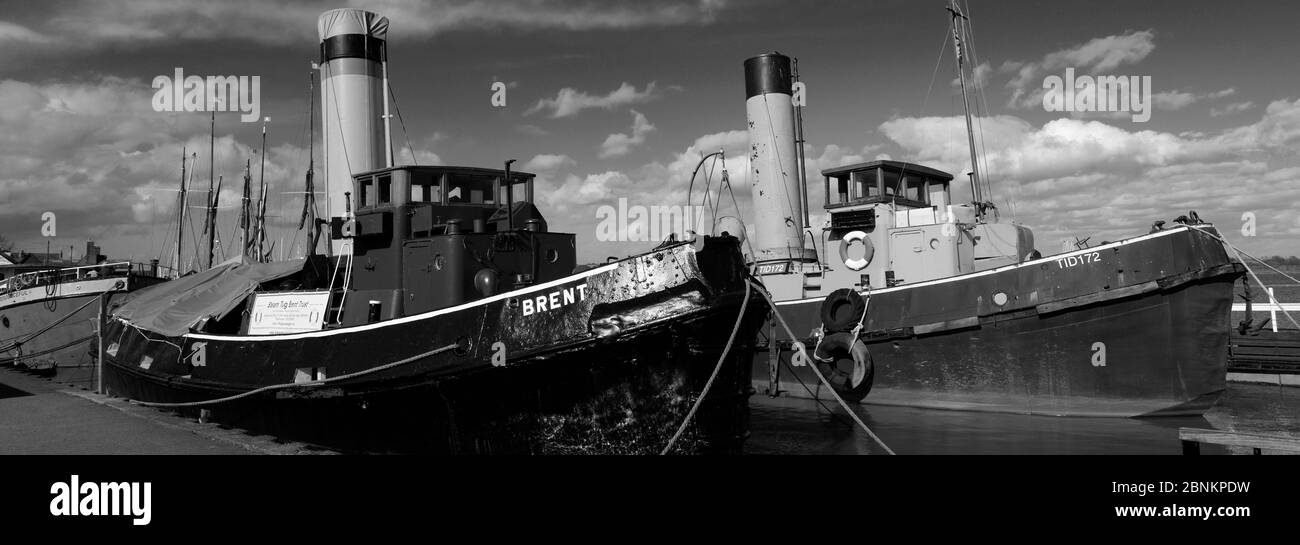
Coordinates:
847 364
841 310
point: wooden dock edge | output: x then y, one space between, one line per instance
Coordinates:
1193 437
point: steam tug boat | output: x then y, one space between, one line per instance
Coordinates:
449 317
920 301
49 316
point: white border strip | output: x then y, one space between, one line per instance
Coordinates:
404 319
976 274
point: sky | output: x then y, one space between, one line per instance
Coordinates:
618 100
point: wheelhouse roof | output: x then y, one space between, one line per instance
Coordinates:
479 171
896 165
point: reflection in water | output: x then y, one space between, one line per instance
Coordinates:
802 426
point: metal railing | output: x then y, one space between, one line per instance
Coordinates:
57 276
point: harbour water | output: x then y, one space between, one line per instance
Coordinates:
803 426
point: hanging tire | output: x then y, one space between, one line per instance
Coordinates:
841 310
847 365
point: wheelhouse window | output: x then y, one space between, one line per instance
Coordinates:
866 183
426 188
367 190
914 188
385 189
471 189
891 179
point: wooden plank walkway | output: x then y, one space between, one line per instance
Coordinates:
1193 437
1266 352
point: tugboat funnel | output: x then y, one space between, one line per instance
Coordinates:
774 177
353 54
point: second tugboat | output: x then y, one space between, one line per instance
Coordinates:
448 317
936 304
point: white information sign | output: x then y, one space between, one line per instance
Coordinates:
287 312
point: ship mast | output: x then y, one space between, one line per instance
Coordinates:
180 217
210 225
976 194
308 217
244 220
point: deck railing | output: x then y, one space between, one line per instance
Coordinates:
54 276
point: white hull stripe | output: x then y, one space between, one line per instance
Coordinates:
1046 259
404 319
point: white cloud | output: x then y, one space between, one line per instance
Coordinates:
92 23
1075 177
569 102
547 163
619 144
1232 108
1177 100
1097 56
12 32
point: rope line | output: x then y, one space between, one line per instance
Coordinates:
816 371
308 384
1240 253
740 317
65 317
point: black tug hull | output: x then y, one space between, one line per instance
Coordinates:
613 369
1138 329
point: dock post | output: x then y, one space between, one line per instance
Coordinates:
773 359
1272 309
99 340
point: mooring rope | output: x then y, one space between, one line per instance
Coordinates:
740 317
830 388
1271 299
312 383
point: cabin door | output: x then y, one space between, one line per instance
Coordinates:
417 276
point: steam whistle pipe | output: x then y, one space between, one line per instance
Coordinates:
510 200
799 145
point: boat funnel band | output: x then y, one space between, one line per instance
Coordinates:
352 46
767 73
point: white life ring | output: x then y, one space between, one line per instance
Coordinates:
868 250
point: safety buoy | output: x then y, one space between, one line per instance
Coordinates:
850 369
842 310
868 250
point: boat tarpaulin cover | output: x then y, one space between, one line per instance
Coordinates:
173 308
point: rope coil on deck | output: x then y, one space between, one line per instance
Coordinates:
308 384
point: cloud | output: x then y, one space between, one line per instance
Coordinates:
1233 108
1075 177
1097 56
619 144
547 163
569 102
12 32
132 23
531 130
97 155
1177 100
